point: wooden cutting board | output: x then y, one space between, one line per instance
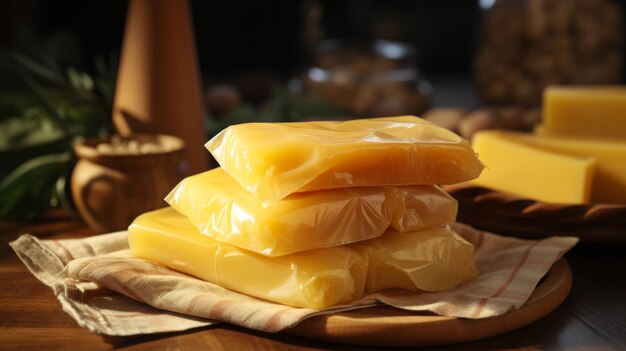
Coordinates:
388 326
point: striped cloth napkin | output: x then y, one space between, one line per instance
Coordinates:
109 291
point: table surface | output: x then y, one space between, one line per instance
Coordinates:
31 318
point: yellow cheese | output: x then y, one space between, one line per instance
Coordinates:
431 259
219 207
273 160
315 279
584 111
609 178
516 167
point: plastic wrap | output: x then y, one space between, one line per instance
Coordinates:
219 207
430 259
273 160
315 279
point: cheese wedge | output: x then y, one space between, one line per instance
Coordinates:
609 157
220 208
585 111
432 259
515 166
273 160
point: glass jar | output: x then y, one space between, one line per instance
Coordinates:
526 45
368 79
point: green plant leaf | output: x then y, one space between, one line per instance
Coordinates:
63 104
40 96
27 189
39 69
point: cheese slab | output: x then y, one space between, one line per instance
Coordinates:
273 160
609 157
431 259
220 208
524 169
584 111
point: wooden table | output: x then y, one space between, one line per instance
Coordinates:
592 317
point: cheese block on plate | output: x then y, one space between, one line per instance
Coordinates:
432 259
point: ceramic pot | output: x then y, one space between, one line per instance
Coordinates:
111 189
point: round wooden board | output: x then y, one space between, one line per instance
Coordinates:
392 327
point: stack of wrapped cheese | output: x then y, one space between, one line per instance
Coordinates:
315 214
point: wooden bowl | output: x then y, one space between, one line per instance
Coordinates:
111 189
507 214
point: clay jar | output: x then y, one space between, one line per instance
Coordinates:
111 187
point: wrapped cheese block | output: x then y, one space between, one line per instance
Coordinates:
431 259
220 208
273 160
314 279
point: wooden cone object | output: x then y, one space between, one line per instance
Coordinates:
158 84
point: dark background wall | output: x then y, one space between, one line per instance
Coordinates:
243 35
237 39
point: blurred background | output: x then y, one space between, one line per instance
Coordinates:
276 40
467 65
235 38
